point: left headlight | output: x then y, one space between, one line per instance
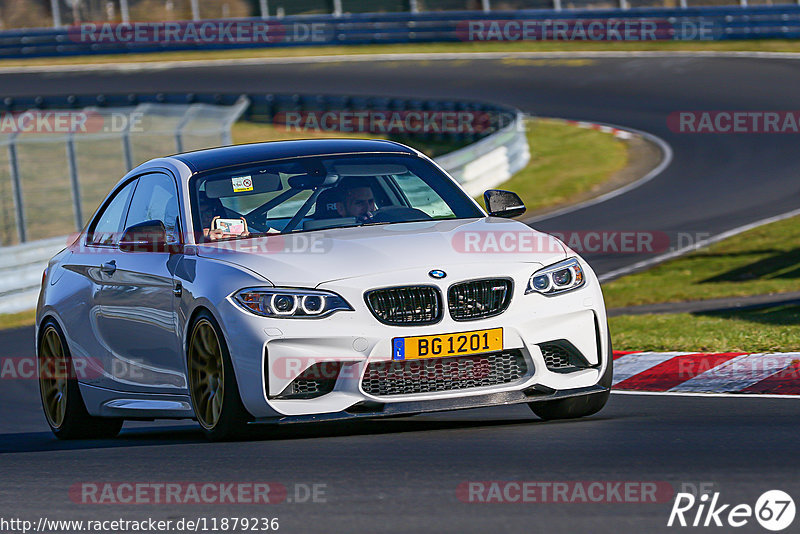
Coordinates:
557 278
291 303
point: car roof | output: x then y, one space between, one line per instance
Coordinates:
216 158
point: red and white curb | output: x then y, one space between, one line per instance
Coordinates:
700 373
616 132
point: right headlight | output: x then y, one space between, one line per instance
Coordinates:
290 303
557 278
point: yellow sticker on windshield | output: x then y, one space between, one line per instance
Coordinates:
242 184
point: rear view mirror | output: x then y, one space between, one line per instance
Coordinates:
313 181
148 236
503 203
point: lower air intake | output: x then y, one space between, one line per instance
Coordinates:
412 377
316 381
562 356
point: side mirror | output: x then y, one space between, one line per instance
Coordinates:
148 236
503 203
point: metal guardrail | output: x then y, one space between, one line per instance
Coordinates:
720 23
490 161
496 152
21 268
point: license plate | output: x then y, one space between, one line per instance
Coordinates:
444 345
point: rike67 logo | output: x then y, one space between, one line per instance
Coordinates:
774 510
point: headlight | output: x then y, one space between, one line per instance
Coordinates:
558 278
292 303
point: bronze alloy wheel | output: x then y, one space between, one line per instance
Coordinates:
206 374
53 375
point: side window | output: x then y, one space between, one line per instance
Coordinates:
156 199
107 228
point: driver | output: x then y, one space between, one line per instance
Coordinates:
356 200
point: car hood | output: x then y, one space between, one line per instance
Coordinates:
308 259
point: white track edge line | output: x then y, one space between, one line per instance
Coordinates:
690 248
666 160
712 395
436 56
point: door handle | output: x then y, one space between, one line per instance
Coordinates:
109 267
177 289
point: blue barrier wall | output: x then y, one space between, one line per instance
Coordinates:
696 23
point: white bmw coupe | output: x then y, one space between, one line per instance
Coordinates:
312 280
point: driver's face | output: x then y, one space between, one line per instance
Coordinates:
206 214
357 202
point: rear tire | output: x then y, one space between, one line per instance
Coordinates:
583 405
212 383
62 403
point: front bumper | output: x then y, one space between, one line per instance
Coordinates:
369 409
268 354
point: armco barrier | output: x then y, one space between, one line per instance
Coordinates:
21 268
695 23
498 150
491 161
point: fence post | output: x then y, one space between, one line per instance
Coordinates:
178 140
74 182
195 10
56 8
743 3
264 6
127 150
124 11
17 188
557 5
685 5
413 6
623 4
337 8
487 5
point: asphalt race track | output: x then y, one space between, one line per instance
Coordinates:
401 475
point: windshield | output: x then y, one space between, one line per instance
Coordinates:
318 193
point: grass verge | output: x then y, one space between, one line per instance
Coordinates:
567 162
762 45
764 330
16 320
759 261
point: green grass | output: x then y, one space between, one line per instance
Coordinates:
16 320
771 45
766 330
566 162
759 261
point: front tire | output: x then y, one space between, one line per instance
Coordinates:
212 383
63 405
583 405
